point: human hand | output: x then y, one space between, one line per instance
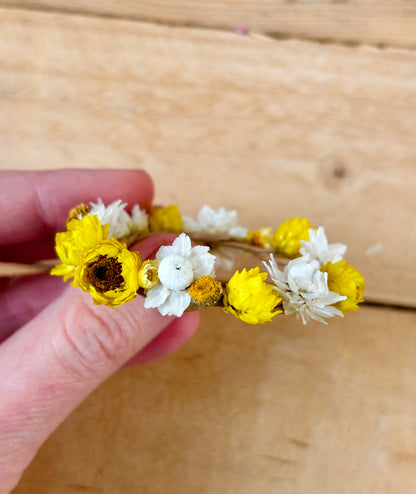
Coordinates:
56 346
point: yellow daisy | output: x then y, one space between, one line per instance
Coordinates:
109 271
344 279
286 240
166 219
249 298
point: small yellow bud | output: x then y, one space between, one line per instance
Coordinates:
148 277
206 291
261 238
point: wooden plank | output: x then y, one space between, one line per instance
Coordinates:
284 408
272 128
384 22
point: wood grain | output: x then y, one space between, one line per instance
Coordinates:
281 408
385 22
274 129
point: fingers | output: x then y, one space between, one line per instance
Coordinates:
53 362
36 250
35 204
56 360
169 341
21 299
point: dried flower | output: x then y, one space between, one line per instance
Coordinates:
249 298
315 284
287 238
180 265
318 248
166 219
304 289
210 220
206 291
109 271
81 235
148 276
344 279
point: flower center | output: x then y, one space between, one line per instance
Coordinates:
206 290
175 272
105 274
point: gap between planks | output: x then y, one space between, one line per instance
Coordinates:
197 22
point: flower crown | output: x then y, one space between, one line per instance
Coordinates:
309 276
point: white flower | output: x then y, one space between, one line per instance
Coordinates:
318 248
304 289
139 219
115 215
180 265
215 221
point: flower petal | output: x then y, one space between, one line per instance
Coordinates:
202 261
156 296
175 304
182 245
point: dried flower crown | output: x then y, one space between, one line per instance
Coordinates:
313 281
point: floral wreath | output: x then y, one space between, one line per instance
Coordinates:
309 276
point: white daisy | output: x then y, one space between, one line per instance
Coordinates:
304 289
215 221
318 248
115 215
180 265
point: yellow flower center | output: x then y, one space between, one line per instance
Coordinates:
206 290
104 274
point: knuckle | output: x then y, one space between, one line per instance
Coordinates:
91 338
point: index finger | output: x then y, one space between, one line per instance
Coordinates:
34 205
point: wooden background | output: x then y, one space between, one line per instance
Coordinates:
275 108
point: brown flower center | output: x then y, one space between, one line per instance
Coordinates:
104 274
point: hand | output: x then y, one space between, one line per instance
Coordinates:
56 346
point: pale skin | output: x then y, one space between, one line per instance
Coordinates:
56 346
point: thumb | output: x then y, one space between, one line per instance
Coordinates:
51 364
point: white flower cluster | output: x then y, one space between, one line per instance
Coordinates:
120 221
180 265
302 285
215 221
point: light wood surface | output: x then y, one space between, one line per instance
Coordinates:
273 128
283 408
381 22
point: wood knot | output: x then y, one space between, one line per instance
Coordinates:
334 172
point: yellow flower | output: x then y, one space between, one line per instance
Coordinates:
81 235
148 277
206 291
261 238
110 273
345 280
249 298
286 240
166 219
